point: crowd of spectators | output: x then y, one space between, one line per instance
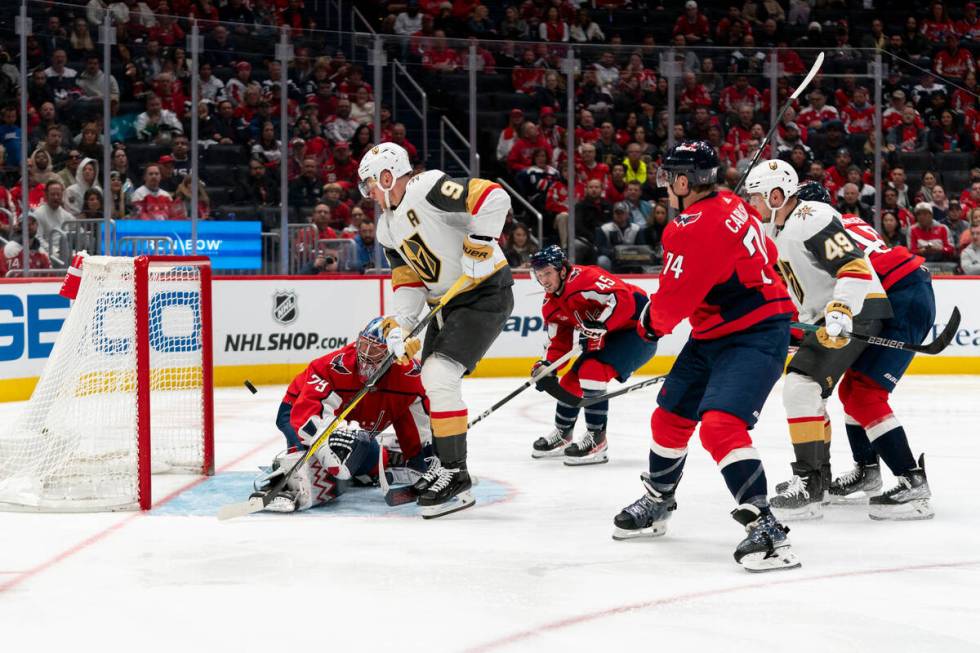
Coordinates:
929 196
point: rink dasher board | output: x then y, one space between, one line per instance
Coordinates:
267 329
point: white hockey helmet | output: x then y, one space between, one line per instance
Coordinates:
772 174
386 156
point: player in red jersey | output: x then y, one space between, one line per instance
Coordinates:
351 455
866 386
604 309
718 273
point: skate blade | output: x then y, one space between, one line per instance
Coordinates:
596 459
461 501
912 511
554 453
853 499
810 512
781 559
656 530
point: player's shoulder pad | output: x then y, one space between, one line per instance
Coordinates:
816 217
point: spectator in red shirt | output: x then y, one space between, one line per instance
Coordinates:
819 112
734 17
889 202
935 28
732 97
586 132
399 138
928 238
906 136
13 258
333 196
693 25
550 129
528 75
953 61
587 168
521 154
969 26
741 131
693 94
859 115
439 57
509 134
150 202
892 116
340 167
553 28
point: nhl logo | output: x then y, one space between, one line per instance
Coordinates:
284 307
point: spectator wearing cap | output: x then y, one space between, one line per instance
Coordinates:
893 115
970 256
859 114
307 189
255 186
340 167
956 220
693 25
928 238
968 27
509 134
555 133
849 202
618 231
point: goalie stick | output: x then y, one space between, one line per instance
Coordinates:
940 343
255 504
772 128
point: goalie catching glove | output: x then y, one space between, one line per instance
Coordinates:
838 321
403 348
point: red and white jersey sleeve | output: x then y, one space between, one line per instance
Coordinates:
718 271
891 264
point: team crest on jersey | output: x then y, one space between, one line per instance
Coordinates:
420 257
804 211
337 363
285 308
685 219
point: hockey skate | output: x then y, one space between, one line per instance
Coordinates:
648 515
856 486
592 450
909 500
448 493
552 445
766 547
801 497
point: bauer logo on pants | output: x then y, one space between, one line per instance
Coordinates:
284 307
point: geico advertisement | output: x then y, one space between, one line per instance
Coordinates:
285 321
31 315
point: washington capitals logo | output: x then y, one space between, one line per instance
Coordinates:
685 219
337 363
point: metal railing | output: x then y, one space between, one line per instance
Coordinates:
444 147
422 113
530 207
89 234
357 20
35 272
343 249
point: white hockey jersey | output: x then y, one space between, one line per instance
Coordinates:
423 236
820 263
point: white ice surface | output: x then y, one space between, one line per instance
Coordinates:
538 572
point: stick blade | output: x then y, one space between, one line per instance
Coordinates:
946 337
234 510
399 496
809 77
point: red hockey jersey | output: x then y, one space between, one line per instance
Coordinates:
718 271
891 264
590 293
329 382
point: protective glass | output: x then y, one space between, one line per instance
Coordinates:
365 185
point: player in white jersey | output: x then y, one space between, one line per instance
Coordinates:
435 229
831 280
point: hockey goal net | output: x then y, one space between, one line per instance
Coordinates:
126 392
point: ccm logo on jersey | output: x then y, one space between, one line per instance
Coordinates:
685 219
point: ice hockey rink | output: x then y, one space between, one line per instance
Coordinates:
531 567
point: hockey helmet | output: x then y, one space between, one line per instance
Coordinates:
696 160
772 174
551 256
812 191
386 156
371 347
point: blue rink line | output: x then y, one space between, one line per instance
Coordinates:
205 498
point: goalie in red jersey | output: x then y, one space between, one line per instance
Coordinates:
604 309
351 455
718 273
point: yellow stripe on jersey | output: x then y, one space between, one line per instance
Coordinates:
477 191
855 268
404 275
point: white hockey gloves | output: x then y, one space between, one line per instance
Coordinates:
403 348
478 257
838 320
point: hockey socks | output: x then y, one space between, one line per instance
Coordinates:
861 449
565 416
596 415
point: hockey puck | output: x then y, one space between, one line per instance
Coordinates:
251 388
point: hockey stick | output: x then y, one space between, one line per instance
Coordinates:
527 384
772 129
255 504
552 387
940 343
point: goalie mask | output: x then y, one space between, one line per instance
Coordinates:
371 348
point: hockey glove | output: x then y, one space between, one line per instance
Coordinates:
838 321
593 335
643 327
403 349
538 366
477 258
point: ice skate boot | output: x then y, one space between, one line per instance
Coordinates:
766 547
801 497
857 485
448 493
592 450
909 500
552 445
648 515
